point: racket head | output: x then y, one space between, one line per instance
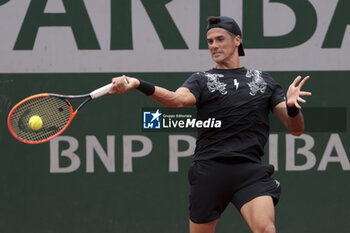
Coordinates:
56 113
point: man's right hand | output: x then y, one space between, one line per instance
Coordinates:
123 84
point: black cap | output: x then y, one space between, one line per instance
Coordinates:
228 24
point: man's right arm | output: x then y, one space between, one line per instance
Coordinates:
181 98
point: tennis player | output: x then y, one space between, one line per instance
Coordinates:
226 165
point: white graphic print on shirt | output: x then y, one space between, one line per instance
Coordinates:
214 84
257 83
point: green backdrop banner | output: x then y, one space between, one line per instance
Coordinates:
106 174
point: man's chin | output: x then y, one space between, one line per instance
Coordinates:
217 59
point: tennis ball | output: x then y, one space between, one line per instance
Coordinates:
35 122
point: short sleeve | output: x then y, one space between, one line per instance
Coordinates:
278 95
193 84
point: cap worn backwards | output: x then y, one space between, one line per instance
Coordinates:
228 24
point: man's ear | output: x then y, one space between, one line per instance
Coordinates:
238 40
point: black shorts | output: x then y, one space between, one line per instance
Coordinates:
216 183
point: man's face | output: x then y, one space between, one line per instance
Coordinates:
222 44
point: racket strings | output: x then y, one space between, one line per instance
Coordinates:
54 112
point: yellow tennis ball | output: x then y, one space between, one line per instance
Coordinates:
35 122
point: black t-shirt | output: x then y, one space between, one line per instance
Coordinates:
241 99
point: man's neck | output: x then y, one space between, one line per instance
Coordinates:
232 64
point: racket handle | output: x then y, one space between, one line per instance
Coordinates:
101 91
104 90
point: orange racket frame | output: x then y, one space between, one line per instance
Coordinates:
94 94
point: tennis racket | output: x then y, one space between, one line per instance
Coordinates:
54 110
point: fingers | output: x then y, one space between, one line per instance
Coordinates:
301 100
305 93
120 85
126 79
296 80
294 102
297 105
301 84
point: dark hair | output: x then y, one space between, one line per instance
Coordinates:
213 20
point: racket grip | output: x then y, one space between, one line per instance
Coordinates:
100 91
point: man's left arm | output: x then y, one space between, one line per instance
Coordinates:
289 112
